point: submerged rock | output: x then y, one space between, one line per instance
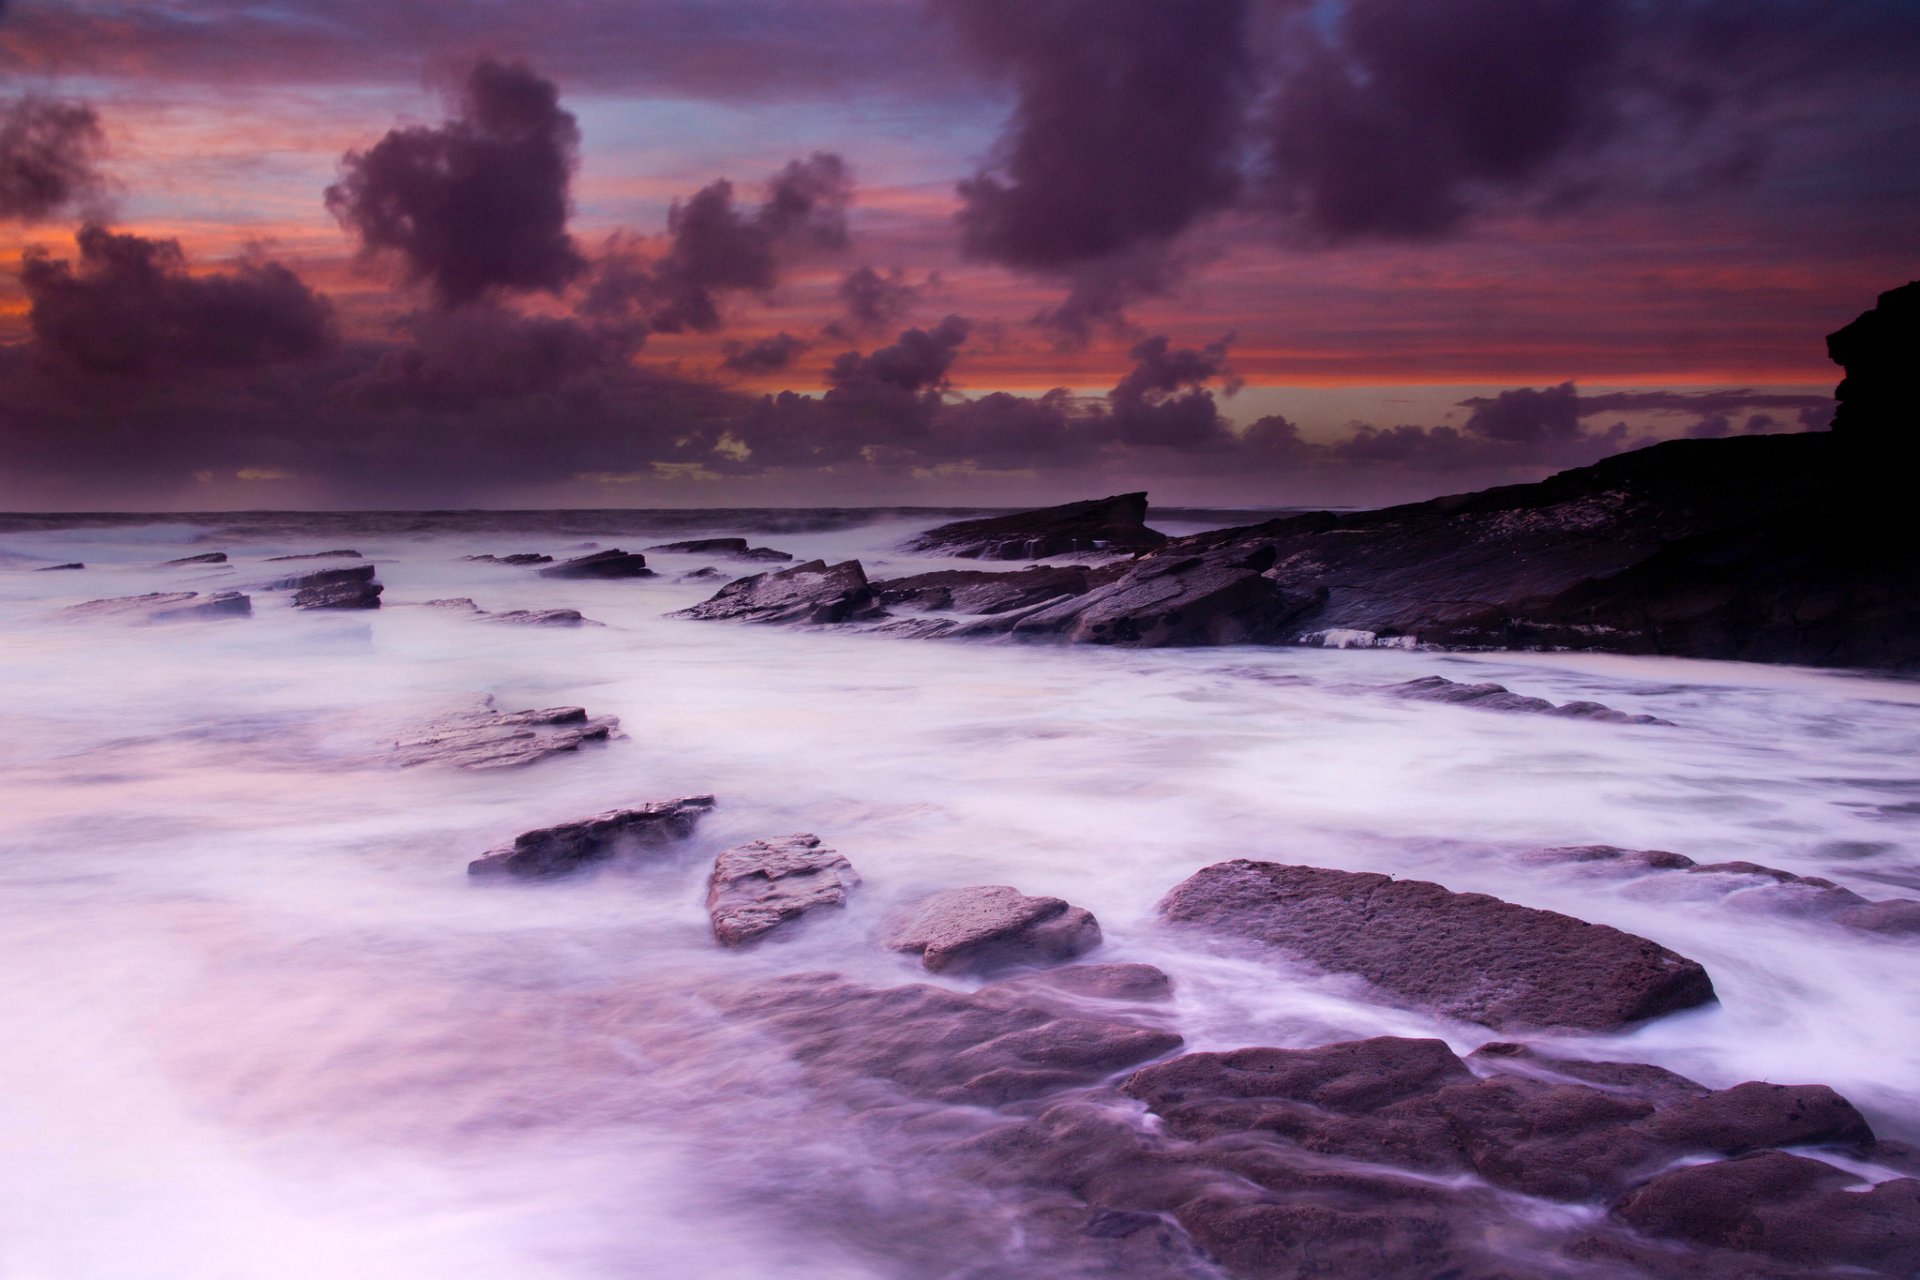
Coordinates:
987 926
1496 697
166 606
732 548
521 617
486 738
555 851
343 553
517 558
942 1044
810 592
55 568
758 887
1465 955
1102 524
612 563
208 557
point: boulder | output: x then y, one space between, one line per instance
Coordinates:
758 887
940 1044
1495 697
208 557
1103 524
612 563
166 606
986 926
1465 955
810 592
556 851
342 553
487 738
56 568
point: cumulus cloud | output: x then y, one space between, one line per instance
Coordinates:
48 156
876 300
1162 400
768 355
478 204
128 306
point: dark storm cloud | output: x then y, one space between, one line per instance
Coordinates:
768 355
48 153
128 306
917 361
475 356
878 300
1162 402
478 204
1526 416
715 248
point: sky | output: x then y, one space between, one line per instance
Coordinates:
461 253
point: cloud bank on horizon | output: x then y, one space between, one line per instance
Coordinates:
926 213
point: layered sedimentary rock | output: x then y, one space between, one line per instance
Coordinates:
613 563
758 887
1102 524
558 850
166 606
1497 697
1466 955
487 738
813 592
731 548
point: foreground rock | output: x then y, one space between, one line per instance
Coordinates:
1465 955
486 738
1103 524
556 851
811 592
758 887
973 591
166 606
731 548
613 563
1496 697
517 617
987 926
940 1044
1749 886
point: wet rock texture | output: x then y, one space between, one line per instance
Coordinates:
612 563
556 851
758 887
165 606
1465 955
987 926
1497 697
351 587
812 592
731 548
1103 524
486 738
1749 886
943 1045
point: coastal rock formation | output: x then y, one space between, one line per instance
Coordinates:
208 557
974 591
1079 983
1465 955
166 606
810 592
342 553
521 617
486 738
986 926
731 548
517 558
1103 524
1879 399
1497 697
612 563
352 587
758 887
1751 886
943 1045
56 568
555 851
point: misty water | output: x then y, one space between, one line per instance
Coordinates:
258 1022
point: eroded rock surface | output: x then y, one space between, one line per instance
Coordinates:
339 589
612 563
558 850
166 606
812 592
486 738
987 926
1102 524
1748 885
760 886
1496 697
1466 955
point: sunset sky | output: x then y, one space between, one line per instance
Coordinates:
261 253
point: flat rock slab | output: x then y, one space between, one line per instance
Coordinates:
976 591
349 587
1748 885
56 568
1465 955
339 553
942 1044
985 926
210 557
811 592
1117 523
1497 697
731 548
517 558
166 606
348 574
612 563
485 738
517 617
555 851
758 887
